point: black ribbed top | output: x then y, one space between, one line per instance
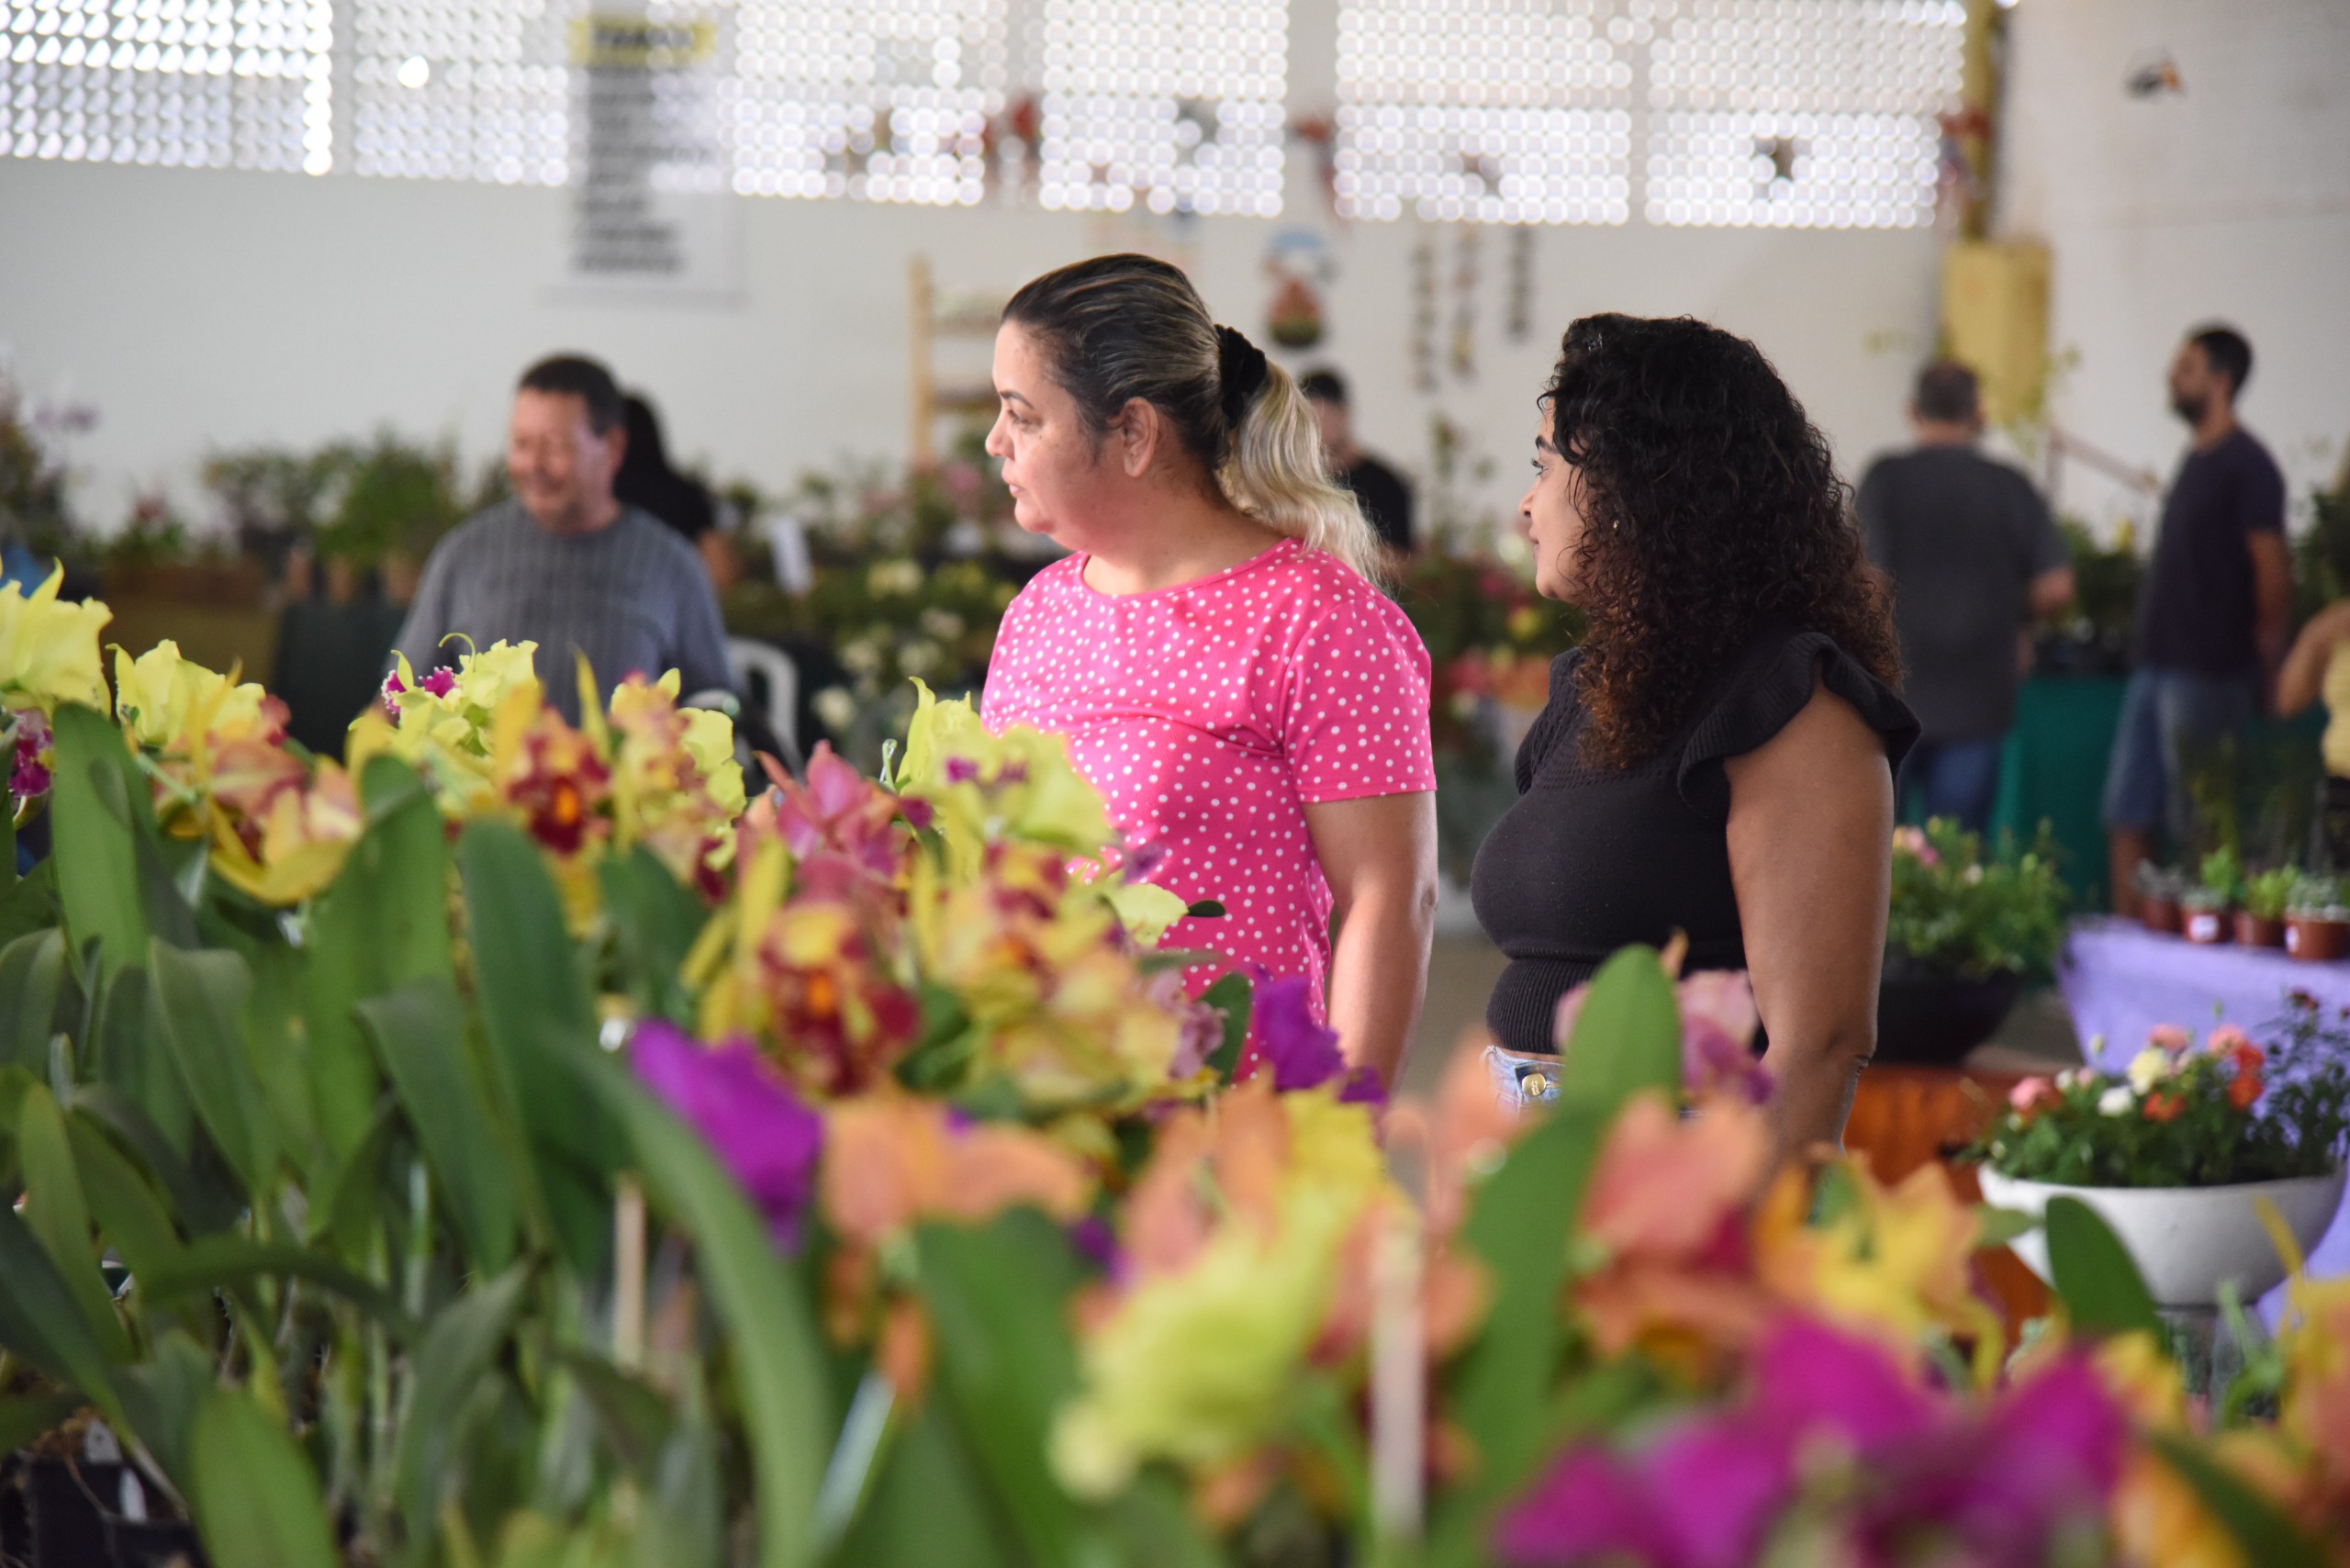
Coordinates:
1591 859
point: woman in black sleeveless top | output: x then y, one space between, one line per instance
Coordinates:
1717 758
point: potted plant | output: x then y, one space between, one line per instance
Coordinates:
2317 923
2159 890
2174 1152
1964 933
2261 921
2204 907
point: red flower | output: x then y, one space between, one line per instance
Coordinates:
2244 1089
2163 1106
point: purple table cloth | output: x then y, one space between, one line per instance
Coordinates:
2120 980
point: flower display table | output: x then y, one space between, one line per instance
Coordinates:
2120 980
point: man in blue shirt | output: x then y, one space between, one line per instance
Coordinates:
2215 615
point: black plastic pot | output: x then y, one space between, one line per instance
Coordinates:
58 1514
1925 1019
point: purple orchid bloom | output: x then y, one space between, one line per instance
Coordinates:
1302 1053
1994 1485
760 1131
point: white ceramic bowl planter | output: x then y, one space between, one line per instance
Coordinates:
2185 1240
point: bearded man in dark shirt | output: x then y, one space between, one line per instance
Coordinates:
1974 560
1385 499
2215 613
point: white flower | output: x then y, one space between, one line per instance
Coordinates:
1974 874
836 707
2149 1068
2071 1076
893 578
943 625
861 656
2117 1101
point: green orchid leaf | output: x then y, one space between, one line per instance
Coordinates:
1997 1228
128 1211
199 1015
30 904
1231 995
383 922
930 1505
2100 1286
457 1351
636 1420
1501 1391
2267 1536
255 1495
57 1213
227 1262
163 1394
126 1052
539 1015
198 1195
93 811
42 1321
419 1035
1627 1037
655 921
32 971
1005 1362
781 1378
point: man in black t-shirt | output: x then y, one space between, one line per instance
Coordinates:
2215 612
1973 559
1386 499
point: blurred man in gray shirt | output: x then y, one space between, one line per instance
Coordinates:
565 564
1973 559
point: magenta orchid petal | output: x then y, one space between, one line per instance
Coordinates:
760 1131
1586 1508
1716 1486
1810 1376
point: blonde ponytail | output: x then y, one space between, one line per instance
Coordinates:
1119 328
1276 474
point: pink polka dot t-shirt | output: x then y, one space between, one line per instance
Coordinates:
1211 714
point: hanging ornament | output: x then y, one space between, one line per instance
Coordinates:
1466 278
1517 309
1300 263
1424 310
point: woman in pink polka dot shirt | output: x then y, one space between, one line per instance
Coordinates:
1253 709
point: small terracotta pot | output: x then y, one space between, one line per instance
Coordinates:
2211 927
2258 931
2159 914
2316 941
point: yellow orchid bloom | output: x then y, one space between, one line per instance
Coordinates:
1893 1265
304 837
167 703
48 651
1198 1360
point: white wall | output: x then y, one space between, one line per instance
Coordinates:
202 309
2228 201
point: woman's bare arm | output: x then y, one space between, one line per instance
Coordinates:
1810 857
1379 855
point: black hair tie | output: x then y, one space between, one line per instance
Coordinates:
1240 365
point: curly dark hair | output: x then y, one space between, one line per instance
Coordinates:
1711 508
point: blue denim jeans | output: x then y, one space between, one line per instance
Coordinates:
1955 778
2161 711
